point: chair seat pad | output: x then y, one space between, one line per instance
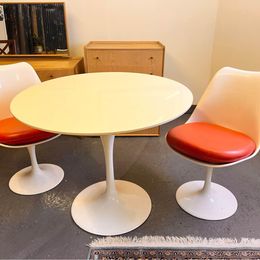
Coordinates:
210 143
13 132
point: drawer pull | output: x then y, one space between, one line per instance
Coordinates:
51 76
97 58
151 58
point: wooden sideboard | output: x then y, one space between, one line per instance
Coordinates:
50 68
126 56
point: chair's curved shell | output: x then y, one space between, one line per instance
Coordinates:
231 100
35 178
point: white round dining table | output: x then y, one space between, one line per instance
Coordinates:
104 104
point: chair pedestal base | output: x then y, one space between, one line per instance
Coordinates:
214 204
26 182
97 212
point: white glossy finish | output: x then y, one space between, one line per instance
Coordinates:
111 207
104 104
231 100
29 181
96 212
36 178
13 79
206 200
219 203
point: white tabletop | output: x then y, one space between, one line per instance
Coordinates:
101 103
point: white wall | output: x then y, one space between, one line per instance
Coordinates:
237 39
200 36
185 27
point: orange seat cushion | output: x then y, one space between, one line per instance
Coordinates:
13 132
210 143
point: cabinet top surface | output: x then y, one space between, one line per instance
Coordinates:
101 103
124 45
44 63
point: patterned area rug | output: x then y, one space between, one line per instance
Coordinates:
153 248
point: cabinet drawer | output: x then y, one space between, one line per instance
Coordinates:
50 68
142 61
52 74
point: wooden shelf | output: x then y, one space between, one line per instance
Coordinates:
50 68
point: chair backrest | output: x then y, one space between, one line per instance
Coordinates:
232 100
13 79
7 47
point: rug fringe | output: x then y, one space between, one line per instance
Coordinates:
172 241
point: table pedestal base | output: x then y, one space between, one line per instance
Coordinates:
101 214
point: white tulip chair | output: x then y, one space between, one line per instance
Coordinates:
36 178
223 130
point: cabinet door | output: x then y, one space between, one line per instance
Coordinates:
52 74
142 61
